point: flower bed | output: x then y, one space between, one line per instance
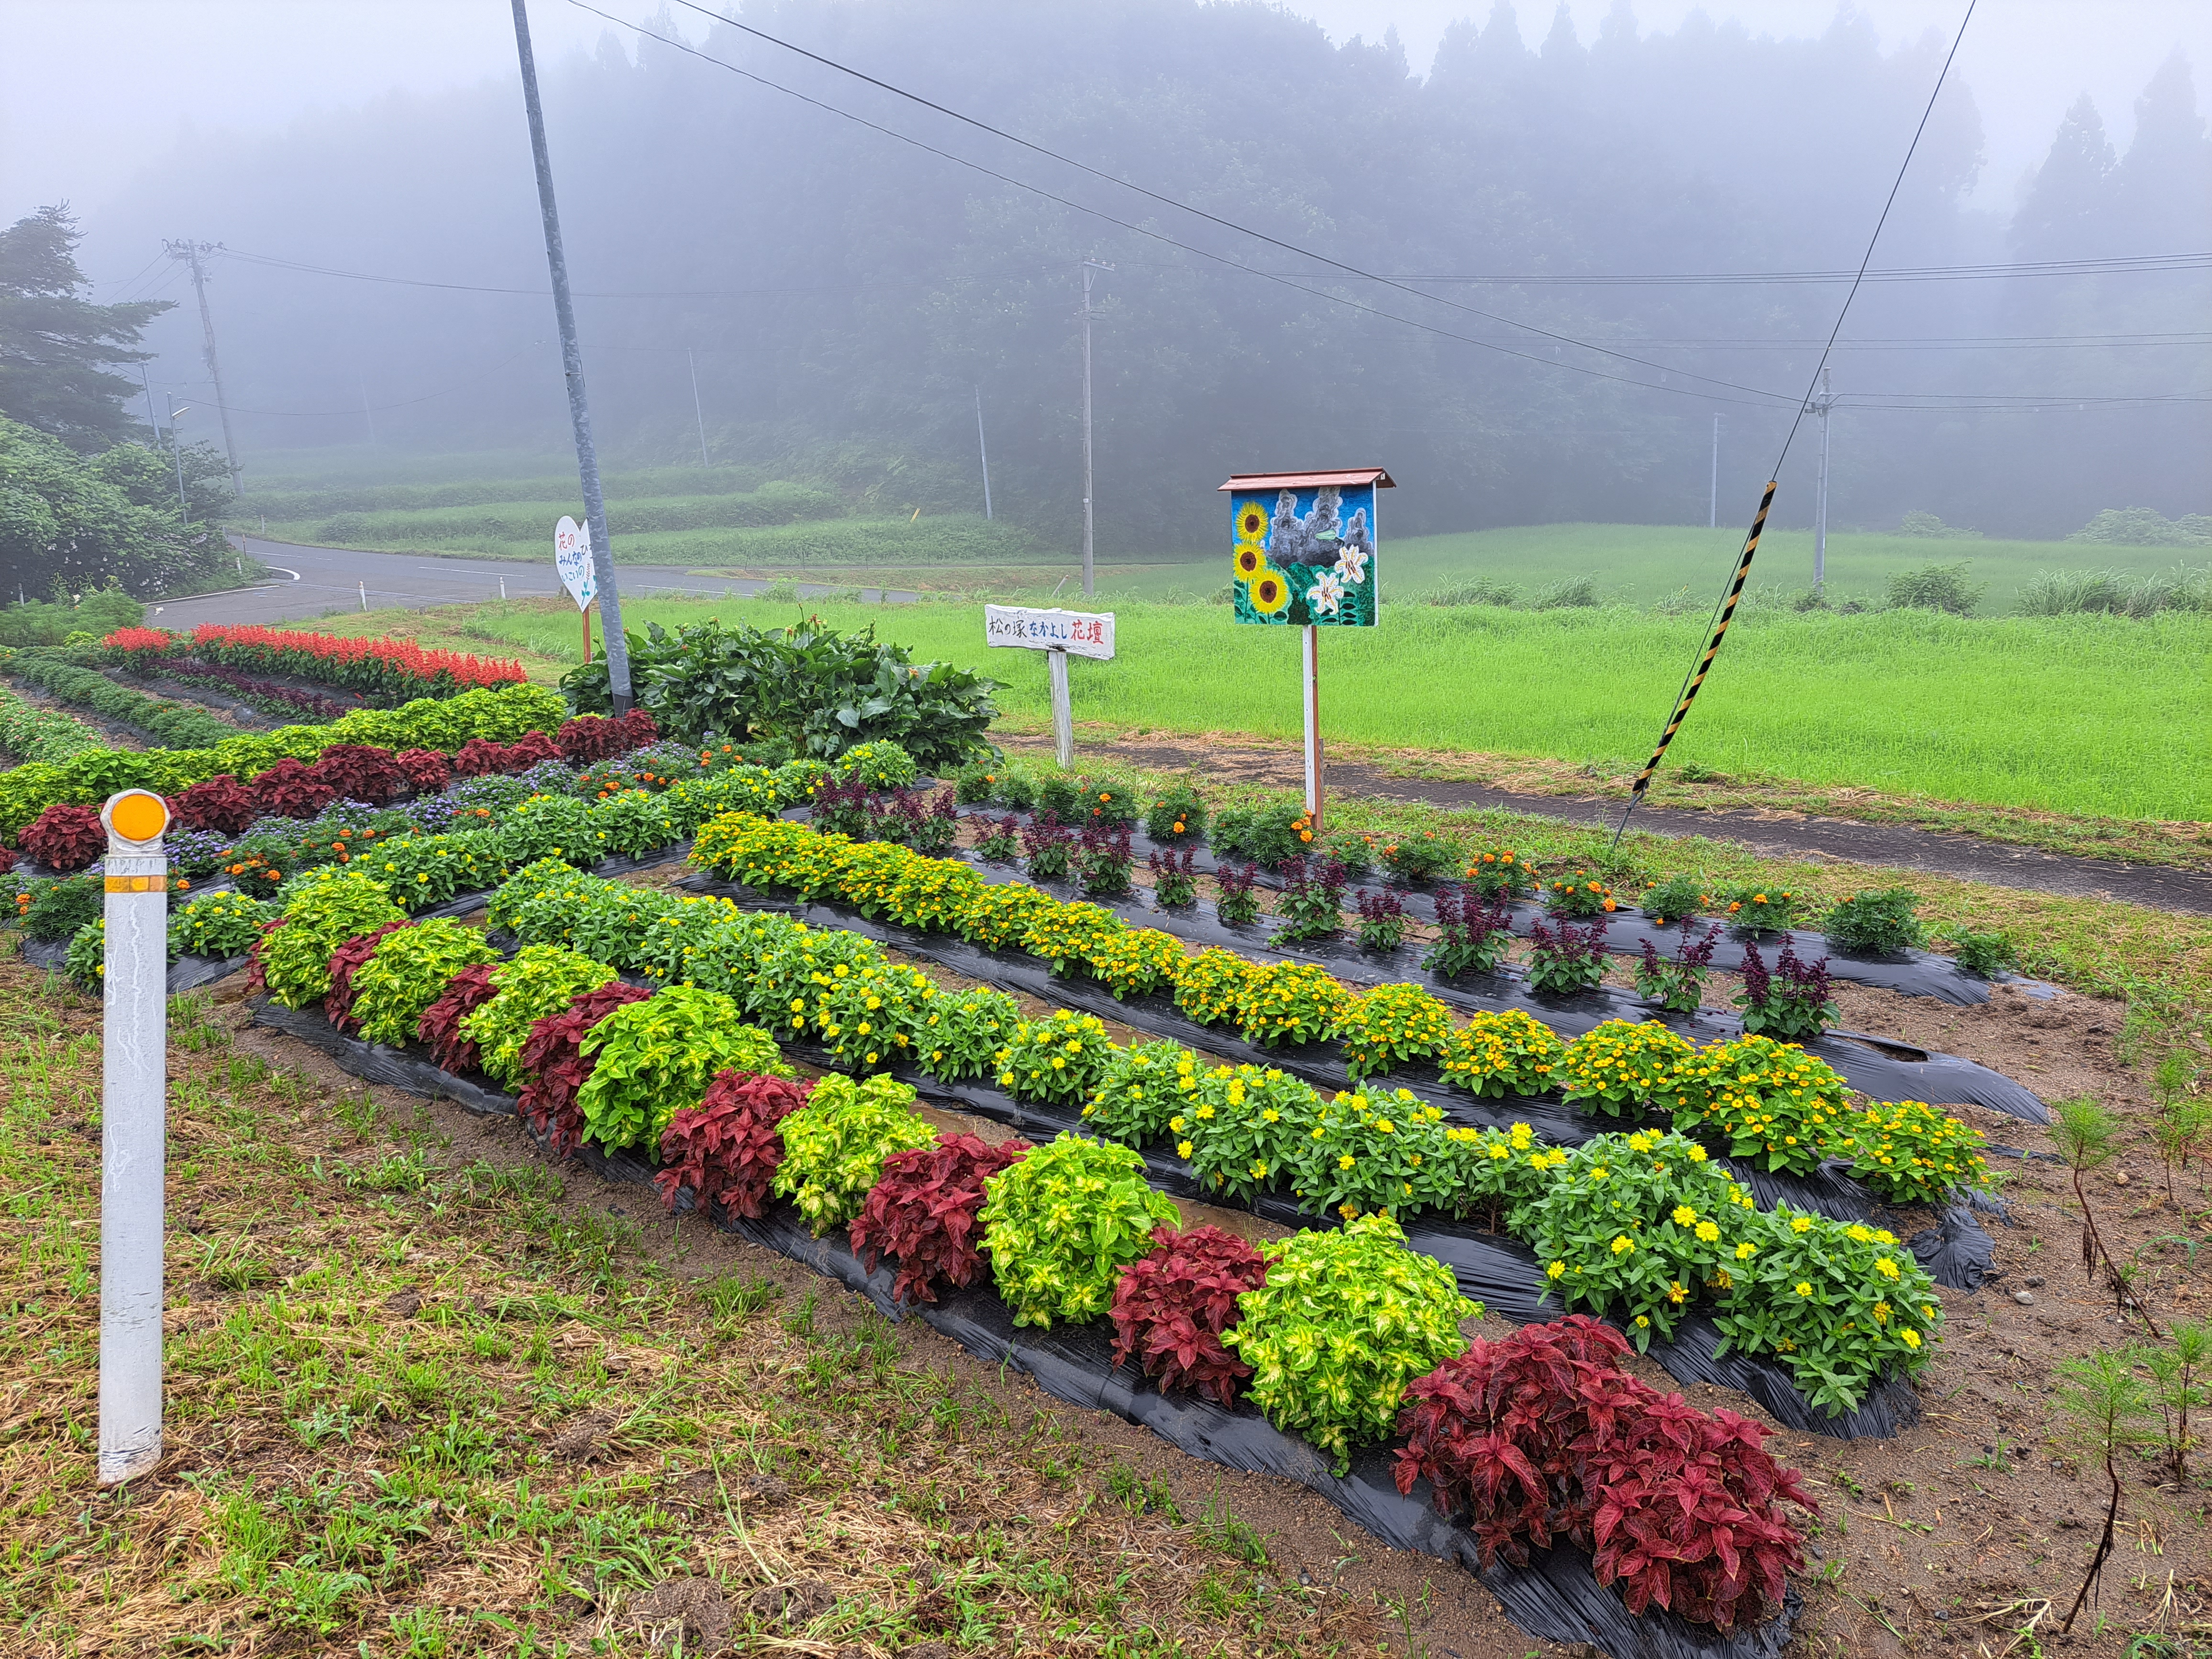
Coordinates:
42 734
178 726
399 669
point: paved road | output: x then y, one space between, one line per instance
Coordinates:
312 581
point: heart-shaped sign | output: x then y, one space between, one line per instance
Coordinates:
572 558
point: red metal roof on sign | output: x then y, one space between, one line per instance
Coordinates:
1358 475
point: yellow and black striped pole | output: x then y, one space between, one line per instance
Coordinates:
1689 694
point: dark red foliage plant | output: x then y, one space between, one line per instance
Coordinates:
346 961
725 1149
257 975
427 771
926 1211
1543 1436
288 790
552 1056
6 860
1171 1308
441 1023
643 728
590 737
360 772
480 758
64 838
220 805
532 747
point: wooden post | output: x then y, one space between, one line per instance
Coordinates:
1063 716
1313 727
588 633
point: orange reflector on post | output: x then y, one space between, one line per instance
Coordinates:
137 814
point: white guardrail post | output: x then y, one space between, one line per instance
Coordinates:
134 1135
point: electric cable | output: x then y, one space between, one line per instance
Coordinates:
1724 611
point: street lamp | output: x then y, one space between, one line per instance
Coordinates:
177 448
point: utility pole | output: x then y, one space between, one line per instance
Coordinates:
1822 405
152 419
1089 267
572 364
189 252
699 414
362 374
983 451
1713 504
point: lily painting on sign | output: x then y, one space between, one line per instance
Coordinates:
1305 548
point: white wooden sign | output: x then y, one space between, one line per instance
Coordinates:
1080 632
572 558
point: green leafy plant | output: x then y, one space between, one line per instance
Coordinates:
1068 935
1372 1150
1419 857
834 1147
1793 1001
1776 1104
1622 1069
1677 983
999 840
551 826
1138 1090
407 972
85 962
2104 1406
1236 894
1344 1320
871 1021
879 765
1473 933
1381 920
1177 814
1986 953
1312 901
1764 909
651 1059
221 924
632 823
326 908
1676 898
1267 835
1060 1057
51 911
1062 1224
1137 962
1565 959
962 1033
1242 1126
1507 1053
1014 791
1578 895
1882 923
420 872
1288 1002
1212 985
1500 873
537 981
1911 1153
1390 1025
2181 1122
2179 1370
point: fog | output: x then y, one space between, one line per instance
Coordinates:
1566 215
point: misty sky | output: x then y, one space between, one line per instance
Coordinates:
89 89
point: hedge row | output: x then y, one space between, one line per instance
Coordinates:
178 726
42 734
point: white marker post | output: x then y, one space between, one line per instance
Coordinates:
1055 633
1313 727
134 1134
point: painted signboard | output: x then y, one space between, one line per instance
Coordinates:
1304 548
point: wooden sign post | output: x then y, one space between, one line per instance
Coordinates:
1303 548
1055 633
572 558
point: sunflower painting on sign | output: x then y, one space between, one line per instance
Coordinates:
1305 547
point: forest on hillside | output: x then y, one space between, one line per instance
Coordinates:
1550 298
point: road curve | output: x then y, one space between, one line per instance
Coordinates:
313 581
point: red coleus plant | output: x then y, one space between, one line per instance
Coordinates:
725 1149
64 838
441 1023
926 1211
348 959
360 772
1171 1308
220 805
590 737
552 1056
427 771
6 860
1543 1436
257 972
289 790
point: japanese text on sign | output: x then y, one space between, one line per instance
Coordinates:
1077 632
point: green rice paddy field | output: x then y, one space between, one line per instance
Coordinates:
2091 714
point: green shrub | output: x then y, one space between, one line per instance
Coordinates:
877 765
220 924
550 827
408 973
1176 815
1138 1090
1937 588
1062 1224
654 1058
834 1147
1344 1320
963 1032
61 907
323 909
537 981
86 960
1060 1057
1986 953
1243 1127
1267 835
1883 923
1390 1025
1676 899
633 822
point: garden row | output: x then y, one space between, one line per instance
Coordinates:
174 724
31 734
1341 1335
384 669
1240 1132
1275 843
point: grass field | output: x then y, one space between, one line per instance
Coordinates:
2082 714
1650 564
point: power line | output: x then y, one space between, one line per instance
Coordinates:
1204 253
355 408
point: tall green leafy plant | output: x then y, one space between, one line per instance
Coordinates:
834 1147
1062 1224
407 972
654 1057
